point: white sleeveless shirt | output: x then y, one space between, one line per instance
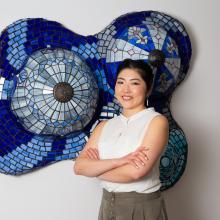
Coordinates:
122 135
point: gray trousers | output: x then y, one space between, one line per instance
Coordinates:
132 206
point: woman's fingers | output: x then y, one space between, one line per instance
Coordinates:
144 152
144 155
130 159
92 153
132 162
141 157
135 163
89 155
96 153
141 153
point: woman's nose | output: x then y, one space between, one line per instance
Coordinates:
127 88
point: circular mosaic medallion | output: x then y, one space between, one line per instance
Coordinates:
56 93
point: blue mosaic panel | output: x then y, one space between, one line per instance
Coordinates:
56 86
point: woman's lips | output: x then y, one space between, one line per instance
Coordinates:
126 98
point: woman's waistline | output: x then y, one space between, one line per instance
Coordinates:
130 196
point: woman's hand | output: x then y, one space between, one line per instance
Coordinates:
92 153
137 158
140 157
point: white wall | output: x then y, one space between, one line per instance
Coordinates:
55 193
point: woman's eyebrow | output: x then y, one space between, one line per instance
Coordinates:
130 79
136 79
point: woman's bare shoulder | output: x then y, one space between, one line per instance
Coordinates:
102 123
159 121
94 137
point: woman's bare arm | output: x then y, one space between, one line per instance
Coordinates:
155 140
94 167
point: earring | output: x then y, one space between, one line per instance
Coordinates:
147 102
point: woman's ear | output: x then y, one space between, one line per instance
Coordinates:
148 92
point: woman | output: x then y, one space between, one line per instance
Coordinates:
124 152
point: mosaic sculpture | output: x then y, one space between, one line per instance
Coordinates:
56 86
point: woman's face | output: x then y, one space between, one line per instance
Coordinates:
130 89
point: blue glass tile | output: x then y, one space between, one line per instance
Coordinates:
11 30
24 147
25 153
29 165
19 166
9 56
34 141
58 158
30 150
66 151
6 169
24 29
23 163
27 159
73 150
13 162
35 162
44 154
17 159
36 152
64 157
19 149
20 156
32 156
39 158
7 163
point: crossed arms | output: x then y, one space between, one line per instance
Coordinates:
130 167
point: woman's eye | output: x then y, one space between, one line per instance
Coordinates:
119 82
135 83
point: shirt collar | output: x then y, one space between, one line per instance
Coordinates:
135 115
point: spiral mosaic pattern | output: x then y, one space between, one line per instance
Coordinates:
56 93
56 86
